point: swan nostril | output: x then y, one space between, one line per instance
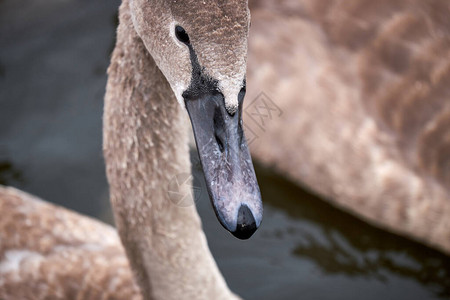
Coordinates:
219 143
219 129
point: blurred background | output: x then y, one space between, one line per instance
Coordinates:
53 60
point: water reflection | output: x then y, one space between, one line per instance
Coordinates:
338 243
9 175
2 70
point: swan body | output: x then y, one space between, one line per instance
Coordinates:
48 252
363 87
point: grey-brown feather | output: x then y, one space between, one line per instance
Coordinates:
48 252
145 146
365 91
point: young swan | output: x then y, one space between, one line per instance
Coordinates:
193 52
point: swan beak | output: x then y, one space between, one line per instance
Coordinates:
227 165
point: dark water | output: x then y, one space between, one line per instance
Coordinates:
53 58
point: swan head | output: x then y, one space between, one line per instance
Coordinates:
201 48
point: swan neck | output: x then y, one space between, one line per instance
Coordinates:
145 147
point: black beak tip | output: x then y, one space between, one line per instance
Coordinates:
246 224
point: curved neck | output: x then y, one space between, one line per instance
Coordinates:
145 147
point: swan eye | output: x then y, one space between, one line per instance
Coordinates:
181 35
